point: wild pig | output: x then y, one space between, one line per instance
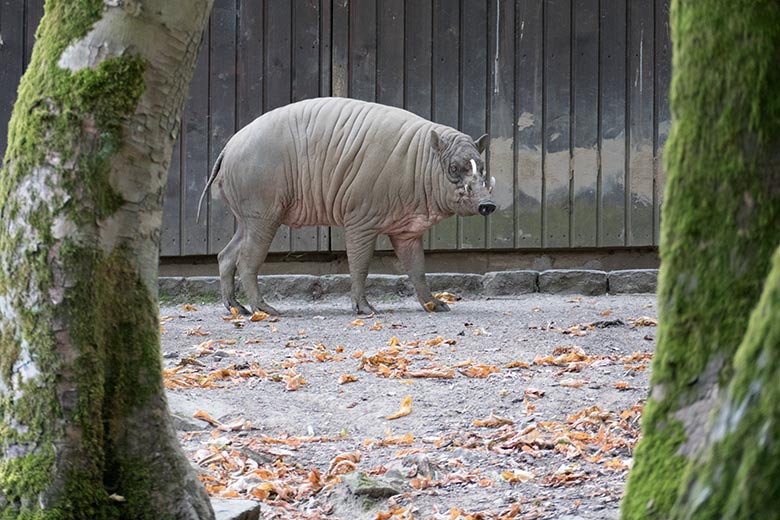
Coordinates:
370 168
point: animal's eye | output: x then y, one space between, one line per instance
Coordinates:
453 168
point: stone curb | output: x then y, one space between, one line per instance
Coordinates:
502 283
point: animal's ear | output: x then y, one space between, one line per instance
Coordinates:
482 143
437 142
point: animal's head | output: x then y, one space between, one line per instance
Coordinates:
469 187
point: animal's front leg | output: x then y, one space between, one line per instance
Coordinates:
360 249
410 253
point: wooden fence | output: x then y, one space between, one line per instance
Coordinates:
574 94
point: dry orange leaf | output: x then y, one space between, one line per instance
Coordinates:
517 364
429 306
446 297
357 323
203 416
480 370
606 313
259 316
293 381
252 341
514 477
393 342
493 421
347 378
529 408
406 408
188 307
621 385
434 372
376 326
572 383
197 332
644 321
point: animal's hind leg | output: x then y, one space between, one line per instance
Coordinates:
228 259
254 247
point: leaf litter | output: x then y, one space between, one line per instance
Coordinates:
561 445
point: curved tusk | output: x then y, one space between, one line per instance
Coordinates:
474 167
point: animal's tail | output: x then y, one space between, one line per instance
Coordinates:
214 172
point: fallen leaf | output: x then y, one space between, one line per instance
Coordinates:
621 385
347 378
429 306
572 383
197 332
493 421
517 364
188 307
293 381
480 370
434 372
578 299
445 297
357 323
259 316
203 416
252 341
529 408
534 392
406 408
606 313
393 342
376 326
514 477
644 321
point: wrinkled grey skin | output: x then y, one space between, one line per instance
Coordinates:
370 168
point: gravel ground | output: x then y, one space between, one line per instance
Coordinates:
523 407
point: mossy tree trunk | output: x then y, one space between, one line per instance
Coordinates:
720 227
84 425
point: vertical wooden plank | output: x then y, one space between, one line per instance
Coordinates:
222 110
529 120
500 227
340 48
663 115
445 87
417 69
417 77
557 137
326 25
473 98
305 85
641 103
249 61
278 42
585 65
195 157
362 50
170 244
390 53
339 80
33 14
11 62
612 106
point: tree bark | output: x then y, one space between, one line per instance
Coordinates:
84 425
720 226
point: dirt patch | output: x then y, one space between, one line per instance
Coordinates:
520 408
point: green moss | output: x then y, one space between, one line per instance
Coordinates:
720 217
736 476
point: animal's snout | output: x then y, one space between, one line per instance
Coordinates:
486 208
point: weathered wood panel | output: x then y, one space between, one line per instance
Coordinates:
574 93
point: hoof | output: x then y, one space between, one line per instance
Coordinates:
363 307
243 311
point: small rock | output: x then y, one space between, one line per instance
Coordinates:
359 483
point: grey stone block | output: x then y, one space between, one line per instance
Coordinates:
234 509
633 281
335 284
456 283
382 285
196 286
291 286
575 281
504 283
171 286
